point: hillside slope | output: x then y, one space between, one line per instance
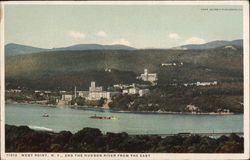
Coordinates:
64 69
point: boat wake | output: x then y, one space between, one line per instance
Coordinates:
40 128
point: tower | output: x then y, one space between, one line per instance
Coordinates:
75 91
146 74
92 86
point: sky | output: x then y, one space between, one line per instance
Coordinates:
140 26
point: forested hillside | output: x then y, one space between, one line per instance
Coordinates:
65 69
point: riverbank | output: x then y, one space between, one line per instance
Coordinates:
24 139
121 111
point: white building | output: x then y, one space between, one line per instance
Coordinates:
47 92
125 91
65 100
93 88
96 93
122 86
206 83
192 108
142 92
201 83
133 90
172 64
83 94
130 91
15 90
151 77
168 64
67 97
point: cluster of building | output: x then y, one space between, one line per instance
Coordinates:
14 90
192 108
201 83
97 92
223 110
40 92
135 90
66 99
171 64
94 93
123 86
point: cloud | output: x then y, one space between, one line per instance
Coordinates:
174 36
122 41
76 35
195 40
101 34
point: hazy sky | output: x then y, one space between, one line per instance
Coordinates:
139 26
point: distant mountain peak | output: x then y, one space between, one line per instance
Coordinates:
96 47
212 44
13 49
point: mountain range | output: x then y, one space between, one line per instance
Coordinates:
13 49
213 44
94 47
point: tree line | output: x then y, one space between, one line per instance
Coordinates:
24 139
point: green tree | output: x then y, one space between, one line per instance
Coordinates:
80 101
101 102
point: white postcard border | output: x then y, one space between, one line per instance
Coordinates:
244 155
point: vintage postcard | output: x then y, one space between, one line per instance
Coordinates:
124 80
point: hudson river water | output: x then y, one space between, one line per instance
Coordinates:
74 119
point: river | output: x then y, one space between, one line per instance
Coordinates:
73 119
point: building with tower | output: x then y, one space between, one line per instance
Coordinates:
150 77
96 93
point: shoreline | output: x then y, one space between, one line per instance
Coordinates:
49 130
121 111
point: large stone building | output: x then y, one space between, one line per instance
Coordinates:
151 77
83 94
135 90
66 99
96 93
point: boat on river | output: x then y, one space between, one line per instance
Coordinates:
45 115
103 117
